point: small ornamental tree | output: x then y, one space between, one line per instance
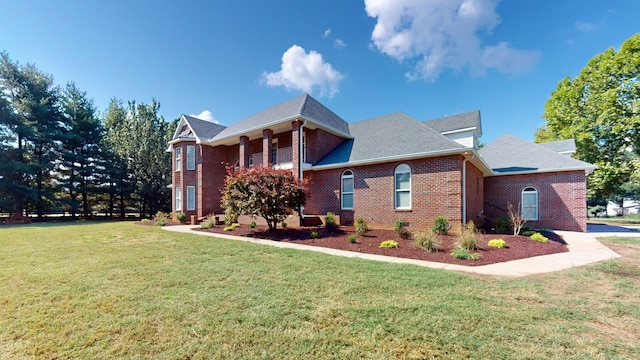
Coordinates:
515 217
260 191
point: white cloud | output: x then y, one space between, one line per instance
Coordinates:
584 26
339 43
305 71
206 115
326 33
443 34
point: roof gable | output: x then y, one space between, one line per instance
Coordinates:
197 129
304 106
511 154
458 122
394 136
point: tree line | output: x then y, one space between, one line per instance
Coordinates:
58 154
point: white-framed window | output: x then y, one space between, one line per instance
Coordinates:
529 203
178 154
402 186
304 147
274 151
191 157
346 190
178 198
191 197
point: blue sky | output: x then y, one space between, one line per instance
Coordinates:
361 59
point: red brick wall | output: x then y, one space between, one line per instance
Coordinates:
475 193
436 189
561 198
211 173
321 143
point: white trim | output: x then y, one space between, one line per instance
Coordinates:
459 130
343 176
396 190
178 198
586 169
536 206
177 163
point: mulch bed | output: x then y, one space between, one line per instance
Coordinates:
519 247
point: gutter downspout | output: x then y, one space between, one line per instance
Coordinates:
464 188
301 161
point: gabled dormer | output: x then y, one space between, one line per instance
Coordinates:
465 128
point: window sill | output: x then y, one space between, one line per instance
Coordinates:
402 210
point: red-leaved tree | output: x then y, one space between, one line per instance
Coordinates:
260 191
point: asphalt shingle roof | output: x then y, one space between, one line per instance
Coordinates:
303 106
391 136
456 122
559 146
203 129
511 154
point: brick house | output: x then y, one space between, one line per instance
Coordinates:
383 169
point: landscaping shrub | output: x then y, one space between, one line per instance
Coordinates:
441 226
389 244
497 243
330 222
464 254
161 218
284 225
145 221
235 225
528 233
515 218
209 222
361 226
399 226
539 238
352 239
428 241
230 218
228 228
501 224
468 238
182 217
252 225
314 234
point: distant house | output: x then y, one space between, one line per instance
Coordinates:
386 168
629 207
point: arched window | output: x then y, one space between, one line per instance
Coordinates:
347 190
402 187
530 203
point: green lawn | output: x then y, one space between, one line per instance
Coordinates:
117 290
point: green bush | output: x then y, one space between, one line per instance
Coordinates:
314 234
501 224
209 222
428 241
527 233
252 225
145 221
352 239
330 222
497 243
539 237
468 238
228 228
182 217
235 225
361 226
441 226
284 225
161 218
389 244
399 226
464 254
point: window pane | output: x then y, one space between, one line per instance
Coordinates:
529 199
178 198
347 201
191 198
403 181
403 199
347 185
178 160
529 213
191 157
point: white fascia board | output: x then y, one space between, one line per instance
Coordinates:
587 169
458 130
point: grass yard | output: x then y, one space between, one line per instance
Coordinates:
117 290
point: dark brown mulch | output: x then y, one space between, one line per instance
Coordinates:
519 247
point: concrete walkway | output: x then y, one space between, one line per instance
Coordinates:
583 249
